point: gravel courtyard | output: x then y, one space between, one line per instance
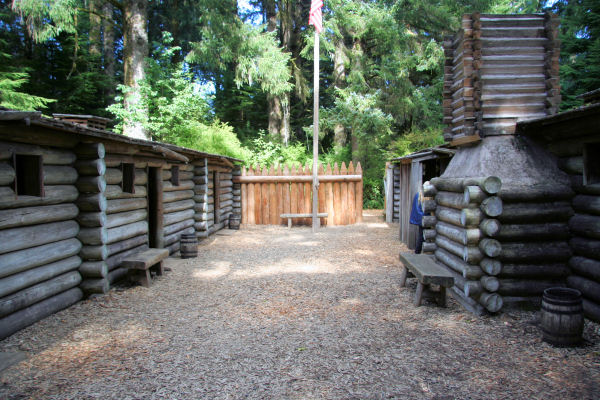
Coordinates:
273 313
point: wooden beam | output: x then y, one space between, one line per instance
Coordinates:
465 140
296 179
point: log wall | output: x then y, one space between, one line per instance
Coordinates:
178 205
39 243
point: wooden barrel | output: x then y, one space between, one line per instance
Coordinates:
189 246
562 317
234 222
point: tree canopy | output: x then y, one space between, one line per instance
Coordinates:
234 78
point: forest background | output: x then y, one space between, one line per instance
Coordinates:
234 77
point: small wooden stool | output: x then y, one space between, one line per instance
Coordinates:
140 265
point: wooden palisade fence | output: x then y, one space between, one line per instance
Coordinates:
269 192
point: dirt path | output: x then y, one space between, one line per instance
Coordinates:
268 312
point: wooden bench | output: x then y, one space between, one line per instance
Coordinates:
427 272
142 264
301 215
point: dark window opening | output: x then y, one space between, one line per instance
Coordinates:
29 175
591 163
175 175
128 183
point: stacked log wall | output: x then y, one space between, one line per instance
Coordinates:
397 193
178 206
584 226
223 195
460 236
214 205
126 219
237 193
39 248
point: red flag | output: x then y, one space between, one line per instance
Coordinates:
315 17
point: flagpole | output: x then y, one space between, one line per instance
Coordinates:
315 192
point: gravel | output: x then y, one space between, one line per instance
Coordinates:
269 312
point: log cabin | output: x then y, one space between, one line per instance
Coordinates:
76 200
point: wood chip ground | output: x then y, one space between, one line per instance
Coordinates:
274 313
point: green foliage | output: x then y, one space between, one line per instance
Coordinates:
46 20
266 152
416 140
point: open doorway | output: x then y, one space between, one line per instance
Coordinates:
155 208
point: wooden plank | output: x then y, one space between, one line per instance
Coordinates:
273 201
257 199
146 259
264 198
294 208
329 198
344 196
308 195
296 178
337 194
286 192
352 197
322 196
280 197
359 195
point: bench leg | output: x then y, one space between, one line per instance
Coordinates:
158 268
442 297
403 276
289 223
419 294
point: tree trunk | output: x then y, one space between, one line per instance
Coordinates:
109 51
135 50
339 81
95 29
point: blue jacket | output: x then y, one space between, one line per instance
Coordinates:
416 212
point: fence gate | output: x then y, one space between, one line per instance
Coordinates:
268 192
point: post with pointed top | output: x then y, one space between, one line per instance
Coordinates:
315 18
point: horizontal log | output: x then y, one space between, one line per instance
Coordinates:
523 213
51 156
587 204
522 287
580 188
127 244
571 165
91 184
173 248
170 229
16 282
121 205
176 236
93 236
429 234
52 195
490 247
535 252
536 194
115 260
92 202
23 260
491 301
90 253
448 215
37 215
468 303
585 267
125 217
591 310
91 219
472 288
296 179
491 266
474 194
117 274
490 283
490 185
59 175
457 264
27 316
38 292
459 234
179 216
429 190
546 271
93 269
589 248
226 196
126 231
7 174
227 183
452 200
201 226
471 217
428 221
177 195
95 286
178 206
585 225
183 185
201 217
90 150
19 238
95 167
528 232
428 247
492 206
116 192
490 227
